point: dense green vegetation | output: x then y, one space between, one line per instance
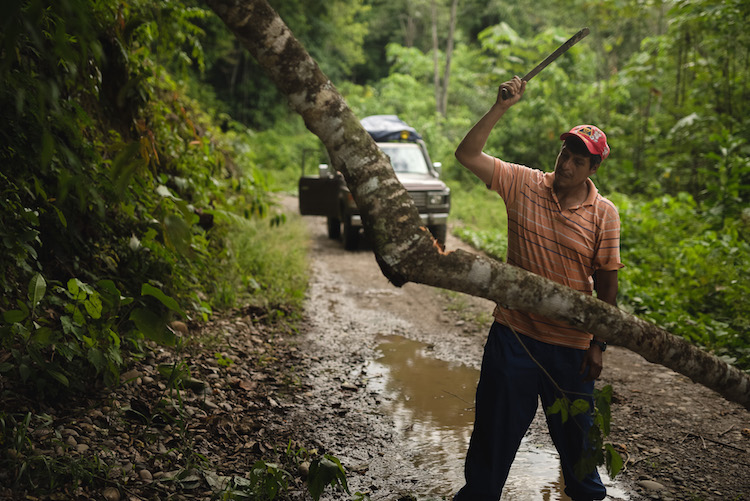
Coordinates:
125 206
141 146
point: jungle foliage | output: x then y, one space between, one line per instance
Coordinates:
123 203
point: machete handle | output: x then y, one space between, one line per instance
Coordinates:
557 53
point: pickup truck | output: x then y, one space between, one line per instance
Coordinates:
327 194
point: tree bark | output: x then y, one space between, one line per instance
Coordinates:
405 250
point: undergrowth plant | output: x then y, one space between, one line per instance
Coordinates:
110 186
598 451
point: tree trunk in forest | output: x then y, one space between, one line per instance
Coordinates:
448 57
436 60
441 88
404 248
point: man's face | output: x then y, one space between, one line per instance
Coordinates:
571 169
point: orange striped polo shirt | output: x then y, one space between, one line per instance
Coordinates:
566 246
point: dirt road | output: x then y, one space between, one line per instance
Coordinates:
681 441
381 377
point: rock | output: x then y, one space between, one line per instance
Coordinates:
304 469
111 494
82 448
651 485
130 375
210 405
179 327
145 475
194 384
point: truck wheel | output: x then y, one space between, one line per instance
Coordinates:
334 227
440 232
351 235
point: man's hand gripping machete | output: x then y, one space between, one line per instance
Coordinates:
558 52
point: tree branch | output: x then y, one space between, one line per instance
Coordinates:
405 250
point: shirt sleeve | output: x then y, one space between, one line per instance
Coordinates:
506 179
607 255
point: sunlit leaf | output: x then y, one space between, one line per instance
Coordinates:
93 306
149 290
37 289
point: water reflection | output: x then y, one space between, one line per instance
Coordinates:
432 404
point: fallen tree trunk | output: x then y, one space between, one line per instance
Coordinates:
406 251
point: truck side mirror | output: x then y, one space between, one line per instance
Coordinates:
438 166
323 170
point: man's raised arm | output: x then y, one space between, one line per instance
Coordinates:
469 153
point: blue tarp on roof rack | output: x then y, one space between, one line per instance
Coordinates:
385 128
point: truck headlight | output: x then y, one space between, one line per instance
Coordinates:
436 198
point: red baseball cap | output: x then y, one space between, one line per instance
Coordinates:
592 136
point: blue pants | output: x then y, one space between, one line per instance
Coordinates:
506 403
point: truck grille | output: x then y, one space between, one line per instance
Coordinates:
420 198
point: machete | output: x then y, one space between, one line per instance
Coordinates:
558 52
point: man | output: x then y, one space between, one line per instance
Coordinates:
561 228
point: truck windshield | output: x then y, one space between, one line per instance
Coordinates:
406 158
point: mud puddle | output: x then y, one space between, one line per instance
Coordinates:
431 404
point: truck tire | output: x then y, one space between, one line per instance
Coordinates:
440 232
334 227
351 235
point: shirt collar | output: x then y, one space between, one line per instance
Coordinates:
549 178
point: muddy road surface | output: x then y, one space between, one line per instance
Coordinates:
388 377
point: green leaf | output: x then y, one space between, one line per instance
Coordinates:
60 377
164 192
15 316
124 166
61 217
37 289
93 306
177 234
152 326
579 406
67 324
110 294
25 371
603 400
149 290
97 359
323 472
78 290
560 406
614 460
43 336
